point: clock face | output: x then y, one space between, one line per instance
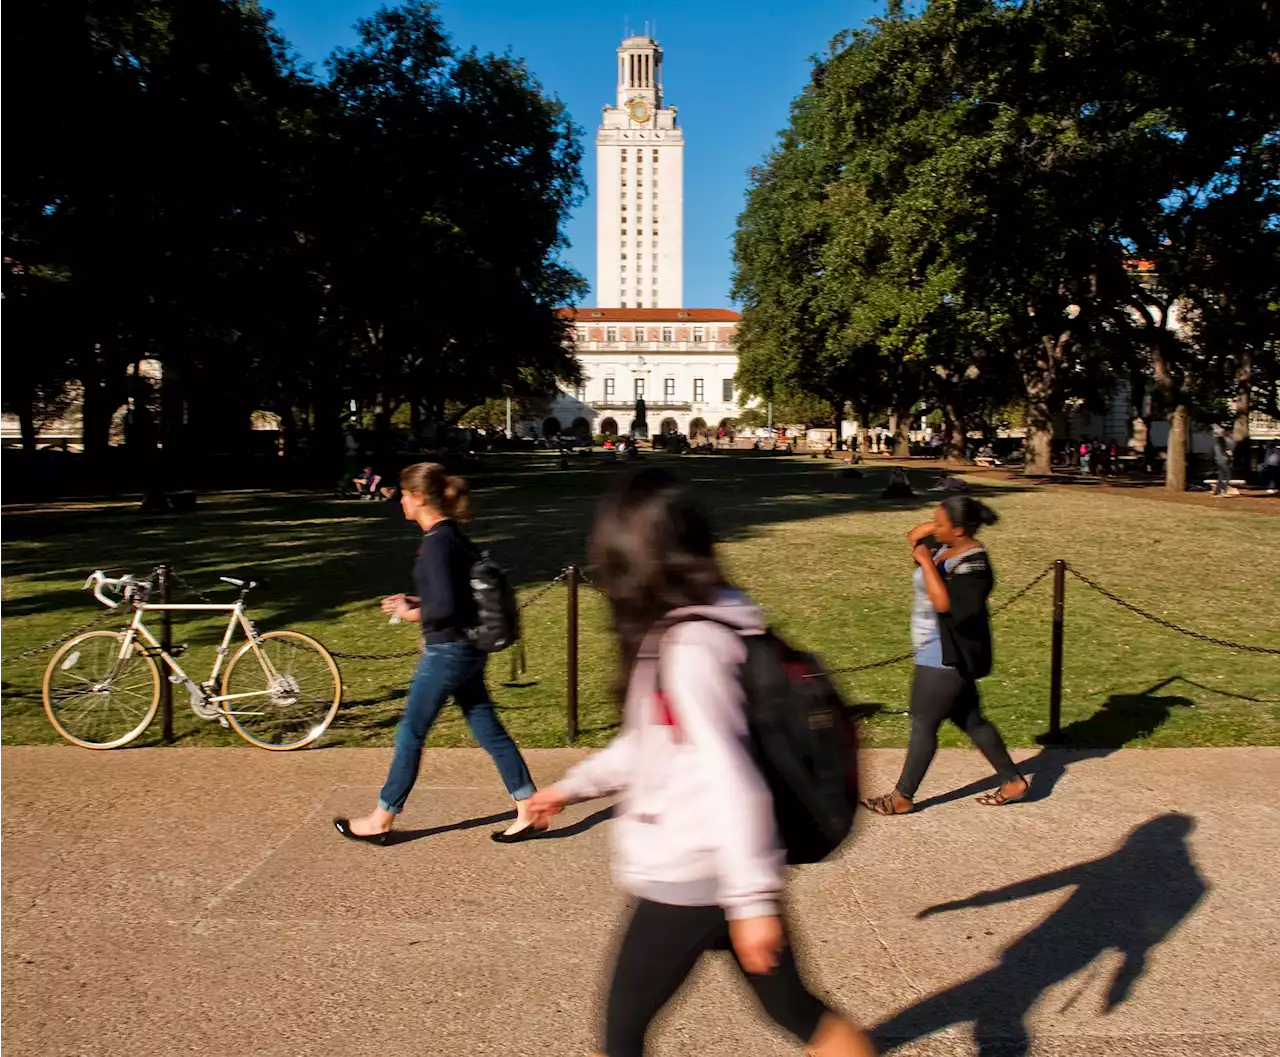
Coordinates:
639 111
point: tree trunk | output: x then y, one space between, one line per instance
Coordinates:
1175 463
1242 459
955 431
902 442
864 435
27 421
1039 442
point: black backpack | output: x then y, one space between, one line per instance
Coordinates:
806 744
497 614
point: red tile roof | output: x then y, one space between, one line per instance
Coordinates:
651 315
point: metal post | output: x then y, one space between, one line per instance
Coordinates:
166 643
1055 660
571 668
508 418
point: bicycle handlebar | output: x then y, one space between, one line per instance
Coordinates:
100 581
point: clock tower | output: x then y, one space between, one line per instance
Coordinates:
640 188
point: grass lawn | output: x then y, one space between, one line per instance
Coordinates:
824 554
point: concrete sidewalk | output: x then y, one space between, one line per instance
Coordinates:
198 901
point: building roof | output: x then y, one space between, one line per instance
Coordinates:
651 315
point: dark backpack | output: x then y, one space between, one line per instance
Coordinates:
806 745
497 614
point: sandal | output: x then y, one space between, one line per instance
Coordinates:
998 797
885 805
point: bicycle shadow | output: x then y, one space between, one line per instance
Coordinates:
1121 719
1129 901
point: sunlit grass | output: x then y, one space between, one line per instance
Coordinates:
824 554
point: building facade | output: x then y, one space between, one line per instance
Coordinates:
681 362
639 188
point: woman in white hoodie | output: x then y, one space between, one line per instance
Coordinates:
694 835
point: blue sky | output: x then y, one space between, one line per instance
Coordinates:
732 69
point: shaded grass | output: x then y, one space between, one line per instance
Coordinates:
824 554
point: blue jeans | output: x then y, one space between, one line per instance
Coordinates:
447 668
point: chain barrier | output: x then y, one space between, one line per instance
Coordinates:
888 661
1245 647
35 650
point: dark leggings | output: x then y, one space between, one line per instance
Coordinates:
661 946
943 693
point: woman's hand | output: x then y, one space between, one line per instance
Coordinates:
758 943
545 803
394 605
922 554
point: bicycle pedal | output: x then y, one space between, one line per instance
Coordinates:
224 721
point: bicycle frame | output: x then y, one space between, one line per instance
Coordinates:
137 629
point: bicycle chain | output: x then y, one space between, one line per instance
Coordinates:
1168 624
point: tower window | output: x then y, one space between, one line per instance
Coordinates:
727 390
699 390
699 334
639 388
666 334
669 388
611 334
608 382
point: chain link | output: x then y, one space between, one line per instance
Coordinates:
402 654
1016 596
1167 624
99 619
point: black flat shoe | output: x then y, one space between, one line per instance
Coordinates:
343 826
528 833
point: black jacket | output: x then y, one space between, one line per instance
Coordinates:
442 576
965 630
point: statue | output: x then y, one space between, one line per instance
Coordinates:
639 427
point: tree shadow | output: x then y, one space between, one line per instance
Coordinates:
1129 902
1123 718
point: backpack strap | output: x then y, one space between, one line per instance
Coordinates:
666 715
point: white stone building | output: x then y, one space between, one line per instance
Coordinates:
640 343
639 188
680 361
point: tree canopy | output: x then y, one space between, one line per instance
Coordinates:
384 233
957 213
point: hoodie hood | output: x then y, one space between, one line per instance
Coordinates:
731 607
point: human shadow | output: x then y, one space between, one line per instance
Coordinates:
405 836
581 826
1123 718
1129 902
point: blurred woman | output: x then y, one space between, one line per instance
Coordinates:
951 633
450 664
694 832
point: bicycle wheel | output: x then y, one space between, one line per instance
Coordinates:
291 699
96 700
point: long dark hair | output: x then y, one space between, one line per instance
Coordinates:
968 513
652 550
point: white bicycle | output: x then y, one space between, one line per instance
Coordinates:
280 691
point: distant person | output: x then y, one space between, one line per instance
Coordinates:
898 487
951 633
367 483
1223 447
696 843
1085 450
1271 469
450 664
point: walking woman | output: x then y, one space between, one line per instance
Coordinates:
450 665
951 633
694 833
